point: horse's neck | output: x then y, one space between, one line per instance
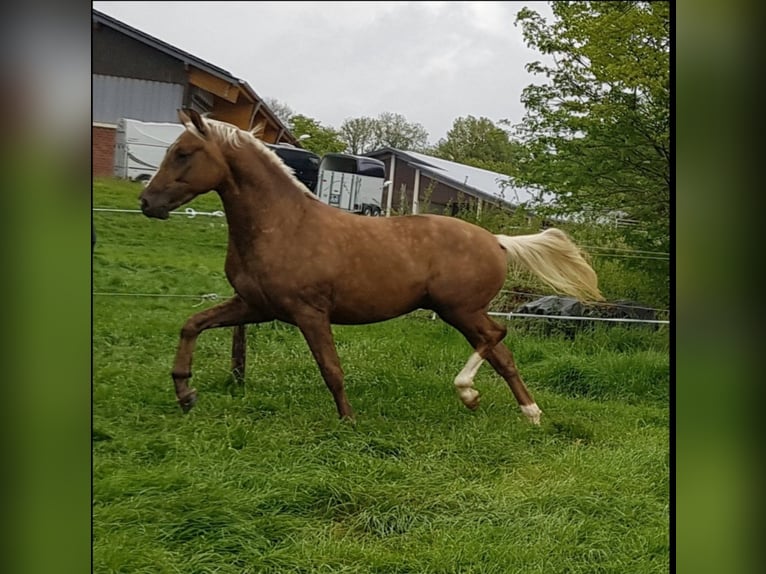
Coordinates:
260 196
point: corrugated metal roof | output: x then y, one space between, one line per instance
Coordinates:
474 181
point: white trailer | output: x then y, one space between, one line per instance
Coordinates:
140 146
350 182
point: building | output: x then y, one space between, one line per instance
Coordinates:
137 76
422 183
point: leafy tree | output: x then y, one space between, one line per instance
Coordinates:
358 134
597 133
364 134
281 110
393 130
480 143
322 140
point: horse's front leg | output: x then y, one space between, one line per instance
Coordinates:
317 331
229 313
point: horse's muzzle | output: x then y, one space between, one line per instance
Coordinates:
157 212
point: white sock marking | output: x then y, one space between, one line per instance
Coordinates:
464 379
532 412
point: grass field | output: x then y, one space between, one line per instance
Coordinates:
266 479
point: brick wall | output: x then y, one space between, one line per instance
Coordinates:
103 150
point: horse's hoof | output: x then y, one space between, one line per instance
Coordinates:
532 412
188 400
470 398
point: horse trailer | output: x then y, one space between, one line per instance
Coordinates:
140 146
349 182
353 183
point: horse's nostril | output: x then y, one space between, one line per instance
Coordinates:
144 204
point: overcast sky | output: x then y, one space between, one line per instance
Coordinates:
432 62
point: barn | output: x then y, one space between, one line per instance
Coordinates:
137 76
421 183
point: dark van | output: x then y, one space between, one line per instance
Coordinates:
304 163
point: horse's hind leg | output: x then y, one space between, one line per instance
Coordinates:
464 382
502 361
229 313
485 335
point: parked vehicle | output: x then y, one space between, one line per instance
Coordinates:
140 146
304 163
351 182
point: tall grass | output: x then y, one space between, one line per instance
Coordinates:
266 479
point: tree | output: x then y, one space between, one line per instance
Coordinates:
480 143
322 140
358 134
393 130
597 133
365 134
281 110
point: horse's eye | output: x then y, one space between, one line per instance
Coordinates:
182 155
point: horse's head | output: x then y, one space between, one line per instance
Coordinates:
193 164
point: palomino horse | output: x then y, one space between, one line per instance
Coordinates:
294 259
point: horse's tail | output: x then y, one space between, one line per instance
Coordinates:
555 259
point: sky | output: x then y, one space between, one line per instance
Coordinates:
431 62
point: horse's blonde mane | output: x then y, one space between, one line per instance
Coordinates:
229 134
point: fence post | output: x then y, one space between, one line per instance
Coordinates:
238 354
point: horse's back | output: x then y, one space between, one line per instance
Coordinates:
413 240
468 265
389 266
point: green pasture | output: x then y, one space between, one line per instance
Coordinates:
265 478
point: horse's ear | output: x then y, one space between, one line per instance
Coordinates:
259 129
192 120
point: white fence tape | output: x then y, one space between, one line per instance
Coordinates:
188 212
214 297
577 318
